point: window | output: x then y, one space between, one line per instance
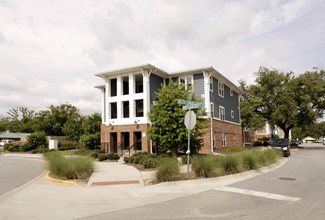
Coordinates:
139 108
212 109
221 113
125 85
213 141
231 92
221 89
211 83
139 83
223 139
232 114
113 110
113 87
126 109
187 80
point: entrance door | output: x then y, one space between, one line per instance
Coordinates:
138 140
113 142
126 140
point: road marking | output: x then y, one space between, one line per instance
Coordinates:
257 193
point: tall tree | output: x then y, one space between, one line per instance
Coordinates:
21 119
167 119
285 100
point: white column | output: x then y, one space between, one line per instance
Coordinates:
131 92
106 103
207 91
146 93
103 106
118 96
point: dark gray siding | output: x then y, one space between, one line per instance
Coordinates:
155 84
175 79
199 86
230 103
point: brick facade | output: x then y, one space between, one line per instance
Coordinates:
233 134
113 134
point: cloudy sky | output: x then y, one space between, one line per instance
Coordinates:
51 49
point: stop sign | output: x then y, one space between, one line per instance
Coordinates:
190 120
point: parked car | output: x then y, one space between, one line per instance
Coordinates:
295 142
283 144
3 142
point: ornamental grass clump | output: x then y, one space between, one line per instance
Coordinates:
69 168
249 159
272 155
203 166
230 163
168 170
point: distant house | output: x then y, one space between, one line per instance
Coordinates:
128 93
7 135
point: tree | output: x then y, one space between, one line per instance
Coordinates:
91 130
167 119
36 140
21 119
91 141
285 100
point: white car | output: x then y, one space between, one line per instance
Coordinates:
3 142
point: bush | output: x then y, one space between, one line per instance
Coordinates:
69 168
36 139
83 152
12 147
272 155
67 146
126 159
203 166
184 159
168 170
111 156
150 163
232 149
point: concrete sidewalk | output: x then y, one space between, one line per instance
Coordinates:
41 199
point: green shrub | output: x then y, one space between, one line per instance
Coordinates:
203 166
67 146
230 163
12 147
36 139
94 155
69 168
83 152
102 157
126 159
184 159
272 155
113 156
150 163
168 170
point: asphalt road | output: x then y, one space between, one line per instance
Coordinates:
14 172
294 191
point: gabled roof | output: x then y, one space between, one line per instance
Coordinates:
148 66
165 74
7 134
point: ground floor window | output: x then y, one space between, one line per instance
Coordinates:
223 139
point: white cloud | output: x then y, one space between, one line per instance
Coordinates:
50 50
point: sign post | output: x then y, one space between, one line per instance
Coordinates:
190 122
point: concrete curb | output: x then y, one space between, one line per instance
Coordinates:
62 182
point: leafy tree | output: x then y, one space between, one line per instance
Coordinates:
167 119
285 100
91 141
91 123
4 123
36 140
21 119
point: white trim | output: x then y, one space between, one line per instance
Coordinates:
231 92
211 83
232 114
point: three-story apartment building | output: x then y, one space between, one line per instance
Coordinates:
128 94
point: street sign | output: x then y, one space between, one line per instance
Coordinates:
192 106
190 120
185 102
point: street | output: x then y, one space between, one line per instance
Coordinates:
294 191
15 172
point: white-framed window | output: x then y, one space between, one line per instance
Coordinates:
126 109
232 114
212 109
113 86
231 92
187 80
221 113
211 84
113 108
138 83
125 85
221 89
223 139
213 140
139 108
